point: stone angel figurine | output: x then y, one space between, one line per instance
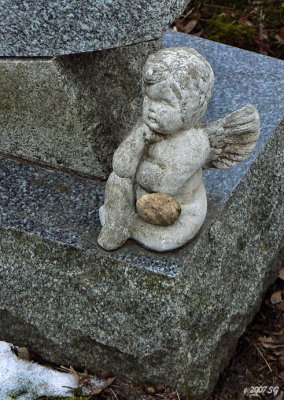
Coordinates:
155 194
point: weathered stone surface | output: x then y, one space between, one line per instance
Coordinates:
71 111
49 28
174 317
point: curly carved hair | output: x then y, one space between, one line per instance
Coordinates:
185 69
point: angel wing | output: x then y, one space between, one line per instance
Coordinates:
233 137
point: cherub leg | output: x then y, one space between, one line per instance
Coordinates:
117 213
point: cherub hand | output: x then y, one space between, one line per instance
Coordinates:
151 136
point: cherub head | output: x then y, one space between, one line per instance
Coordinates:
177 85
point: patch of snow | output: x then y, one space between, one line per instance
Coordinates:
25 380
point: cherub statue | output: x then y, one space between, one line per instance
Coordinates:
155 194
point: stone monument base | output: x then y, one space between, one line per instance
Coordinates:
173 318
71 111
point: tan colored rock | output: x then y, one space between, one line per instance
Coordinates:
281 274
158 208
23 353
277 297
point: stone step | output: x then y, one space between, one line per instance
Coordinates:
50 28
71 111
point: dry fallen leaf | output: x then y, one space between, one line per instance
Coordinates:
281 375
96 391
281 362
187 28
281 274
150 390
280 306
281 34
88 384
266 340
160 388
272 346
276 297
271 357
23 353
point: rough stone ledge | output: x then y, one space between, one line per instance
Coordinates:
52 28
85 307
61 110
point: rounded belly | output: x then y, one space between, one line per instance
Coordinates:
151 177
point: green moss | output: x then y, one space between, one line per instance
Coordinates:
17 395
229 3
273 16
223 29
264 247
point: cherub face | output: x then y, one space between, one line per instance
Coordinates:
162 110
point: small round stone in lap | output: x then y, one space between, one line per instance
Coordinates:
158 209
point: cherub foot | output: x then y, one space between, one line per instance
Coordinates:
111 239
102 215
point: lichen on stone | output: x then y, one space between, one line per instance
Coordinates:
223 29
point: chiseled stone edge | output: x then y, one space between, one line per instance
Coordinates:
92 310
232 264
41 29
60 111
100 313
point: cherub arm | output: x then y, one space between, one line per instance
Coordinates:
232 138
127 157
169 173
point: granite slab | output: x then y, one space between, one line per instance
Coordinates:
44 28
61 110
94 99
133 311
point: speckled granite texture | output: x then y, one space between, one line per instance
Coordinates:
71 111
48 27
241 77
173 318
62 111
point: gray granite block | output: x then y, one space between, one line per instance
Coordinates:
71 111
173 318
50 27
61 111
